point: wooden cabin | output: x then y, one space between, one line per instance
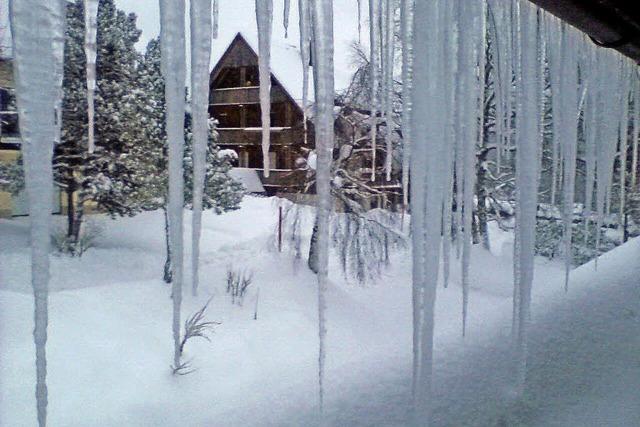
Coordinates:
234 101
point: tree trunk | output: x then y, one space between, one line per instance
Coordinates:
313 249
167 277
75 215
481 191
77 222
483 228
70 211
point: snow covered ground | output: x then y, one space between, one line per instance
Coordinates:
110 344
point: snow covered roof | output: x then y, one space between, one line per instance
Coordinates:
238 16
286 66
248 178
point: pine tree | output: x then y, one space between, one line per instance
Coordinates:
105 177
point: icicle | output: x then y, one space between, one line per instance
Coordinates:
567 117
406 29
542 64
624 142
374 35
305 28
427 187
264 18
451 46
359 21
58 11
526 177
516 51
173 67
390 90
636 134
285 17
214 19
34 29
590 141
323 74
609 109
90 49
555 72
472 88
505 50
498 84
201 28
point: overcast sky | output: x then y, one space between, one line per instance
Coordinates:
239 16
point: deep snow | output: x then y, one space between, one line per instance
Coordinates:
110 337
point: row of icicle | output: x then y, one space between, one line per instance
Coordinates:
38 30
591 91
443 96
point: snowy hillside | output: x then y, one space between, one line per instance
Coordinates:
109 341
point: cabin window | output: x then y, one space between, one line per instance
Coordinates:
8 114
273 160
252 112
252 77
228 116
243 159
228 78
279 114
237 77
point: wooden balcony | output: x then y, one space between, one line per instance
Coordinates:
244 95
253 136
291 179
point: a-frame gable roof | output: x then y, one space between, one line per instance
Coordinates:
286 66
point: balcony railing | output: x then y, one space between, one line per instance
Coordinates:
283 178
244 95
253 136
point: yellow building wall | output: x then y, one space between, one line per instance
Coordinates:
6 205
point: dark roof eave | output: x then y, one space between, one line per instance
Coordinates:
609 23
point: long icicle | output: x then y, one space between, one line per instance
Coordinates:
59 14
214 19
264 19
91 52
33 27
516 50
555 73
470 83
406 30
389 87
498 80
359 6
636 133
568 125
624 144
590 121
173 68
201 28
285 17
451 44
305 40
323 73
427 186
526 179
374 35
610 68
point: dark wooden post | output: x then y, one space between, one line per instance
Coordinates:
280 229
